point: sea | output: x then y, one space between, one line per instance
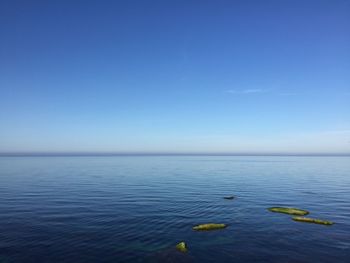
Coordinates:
137 208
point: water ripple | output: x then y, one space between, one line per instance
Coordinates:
135 209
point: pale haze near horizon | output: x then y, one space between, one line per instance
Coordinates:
175 76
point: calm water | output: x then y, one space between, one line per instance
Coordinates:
135 209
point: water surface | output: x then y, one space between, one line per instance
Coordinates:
136 208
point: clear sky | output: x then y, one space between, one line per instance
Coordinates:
175 76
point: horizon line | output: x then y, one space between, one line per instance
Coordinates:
87 154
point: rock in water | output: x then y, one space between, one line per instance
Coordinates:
209 226
182 247
229 197
289 210
170 255
312 220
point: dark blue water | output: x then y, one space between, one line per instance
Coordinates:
136 209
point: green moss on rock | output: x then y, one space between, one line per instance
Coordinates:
182 247
312 220
289 210
210 226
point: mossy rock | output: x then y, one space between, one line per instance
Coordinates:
182 247
210 226
289 211
312 220
231 197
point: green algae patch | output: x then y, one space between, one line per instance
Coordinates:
289 211
312 220
231 197
182 247
211 226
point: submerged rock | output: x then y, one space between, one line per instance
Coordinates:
181 247
170 255
229 197
312 220
289 210
209 226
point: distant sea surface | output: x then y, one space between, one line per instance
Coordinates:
137 208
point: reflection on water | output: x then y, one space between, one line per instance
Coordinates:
136 209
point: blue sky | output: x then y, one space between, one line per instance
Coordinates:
175 76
